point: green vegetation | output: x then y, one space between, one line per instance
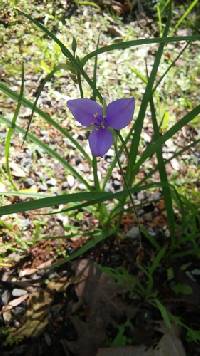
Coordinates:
45 62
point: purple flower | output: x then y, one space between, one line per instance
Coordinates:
89 113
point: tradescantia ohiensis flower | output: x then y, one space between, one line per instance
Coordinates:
89 113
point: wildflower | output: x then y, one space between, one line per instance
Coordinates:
90 114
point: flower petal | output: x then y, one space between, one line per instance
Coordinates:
85 110
100 141
119 113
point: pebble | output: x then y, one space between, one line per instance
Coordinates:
29 182
155 196
5 297
133 233
116 184
5 276
51 182
65 185
16 323
18 310
148 216
146 137
17 171
82 187
27 272
18 292
7 316
141 196
70 181
43 188
175 164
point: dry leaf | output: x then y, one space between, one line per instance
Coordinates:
169 345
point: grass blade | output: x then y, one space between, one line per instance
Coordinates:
39 90
11 129
91 243
91 197
25 194
170 66
76 64
186 13
163 175
144 41
176 154
153 146
139 121
164 313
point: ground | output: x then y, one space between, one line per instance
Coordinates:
118 292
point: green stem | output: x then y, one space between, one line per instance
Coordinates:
95 175
80 84
126 186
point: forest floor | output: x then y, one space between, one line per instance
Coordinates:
128 295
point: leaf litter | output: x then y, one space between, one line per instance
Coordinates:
85 314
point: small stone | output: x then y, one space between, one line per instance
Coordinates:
35 277
148 216
141 196
29 182
155 196
70 181
5 276
196 272
18 292
17 171
175 164
146 137
7 316
51 182
82 186
133 233
16 324
27 272
5 297
18 311
47 339
116 184
65 185
43 188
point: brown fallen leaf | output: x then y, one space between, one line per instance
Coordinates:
100 294
169 345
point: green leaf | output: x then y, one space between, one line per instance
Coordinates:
93 241
138 74
164 313
180 288
163 175
74 45
39 90
144 41
153 146
186 13
12 128
145 100
77 65
91 197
